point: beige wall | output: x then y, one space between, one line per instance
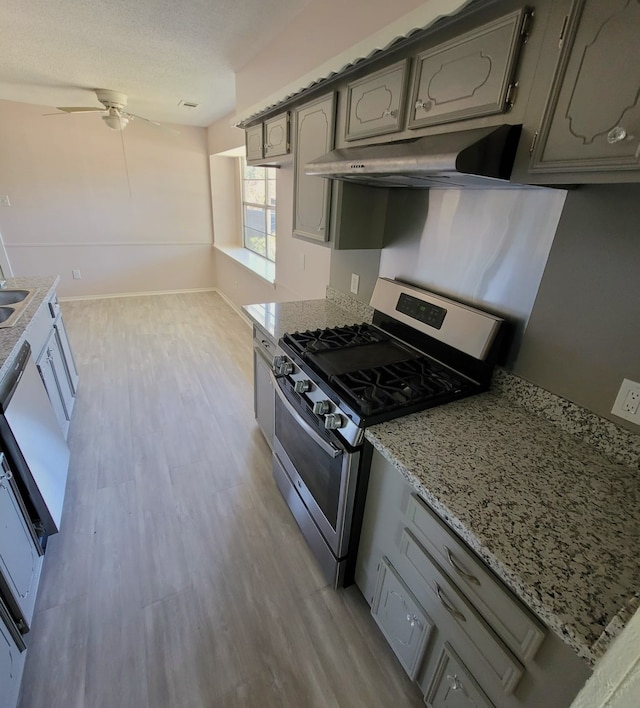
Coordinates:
71 208
317 33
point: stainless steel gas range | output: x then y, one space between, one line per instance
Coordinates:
422 350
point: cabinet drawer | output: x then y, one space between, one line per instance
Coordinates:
401 619
453 686
375 103
468 76
519 629
441 596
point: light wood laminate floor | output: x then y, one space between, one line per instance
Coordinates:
179 578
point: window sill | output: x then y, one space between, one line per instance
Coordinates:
257 264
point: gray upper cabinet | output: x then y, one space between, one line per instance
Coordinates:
315 131
591 122
276 136
375 103
469 76
254 142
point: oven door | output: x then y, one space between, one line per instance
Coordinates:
320 468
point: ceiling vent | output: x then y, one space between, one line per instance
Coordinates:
188 104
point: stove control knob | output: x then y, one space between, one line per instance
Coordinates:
282 366
321 407
302 386
333 421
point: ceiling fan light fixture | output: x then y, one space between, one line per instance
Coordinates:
116 120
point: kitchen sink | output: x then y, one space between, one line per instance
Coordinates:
10 297
13 304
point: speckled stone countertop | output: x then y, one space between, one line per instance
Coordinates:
11 338
277 318
554 517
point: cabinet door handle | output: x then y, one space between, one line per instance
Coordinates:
413 621
423 105
389 114
455 683
460 571
448 606
617 135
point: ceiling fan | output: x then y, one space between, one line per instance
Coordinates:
114 104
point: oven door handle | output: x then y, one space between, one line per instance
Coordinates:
326 446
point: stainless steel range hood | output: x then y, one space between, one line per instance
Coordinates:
480 158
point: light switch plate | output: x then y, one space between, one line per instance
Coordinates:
355 283
627 403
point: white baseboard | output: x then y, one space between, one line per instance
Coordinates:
140 294
234 307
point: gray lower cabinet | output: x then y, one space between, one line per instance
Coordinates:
314 131
276 136
483 648
469 76
20 557
254 142
263 393
376 103
591 123
453 686
70 368
402 620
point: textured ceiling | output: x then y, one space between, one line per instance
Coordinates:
158 52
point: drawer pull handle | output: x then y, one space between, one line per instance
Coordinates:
460 571
448 606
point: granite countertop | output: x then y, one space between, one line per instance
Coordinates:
277 318
554 518
12 338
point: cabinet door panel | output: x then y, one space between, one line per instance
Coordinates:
12 656
467 77
254 142
375 104
592 120
20 560
67 355
276 136
263 396
453 686
402 621
315 129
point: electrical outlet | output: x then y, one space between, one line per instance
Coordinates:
627 403
4 200
77 275
355 283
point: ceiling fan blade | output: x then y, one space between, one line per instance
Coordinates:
77 109
155 122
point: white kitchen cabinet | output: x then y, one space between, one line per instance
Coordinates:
12 657
453 686
20 556
52 352
254 143
56 381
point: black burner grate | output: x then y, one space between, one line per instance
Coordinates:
385 388
322 340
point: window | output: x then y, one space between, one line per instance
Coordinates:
259 210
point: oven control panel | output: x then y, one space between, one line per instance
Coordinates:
425 312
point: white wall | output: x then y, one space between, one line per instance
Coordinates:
71 208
